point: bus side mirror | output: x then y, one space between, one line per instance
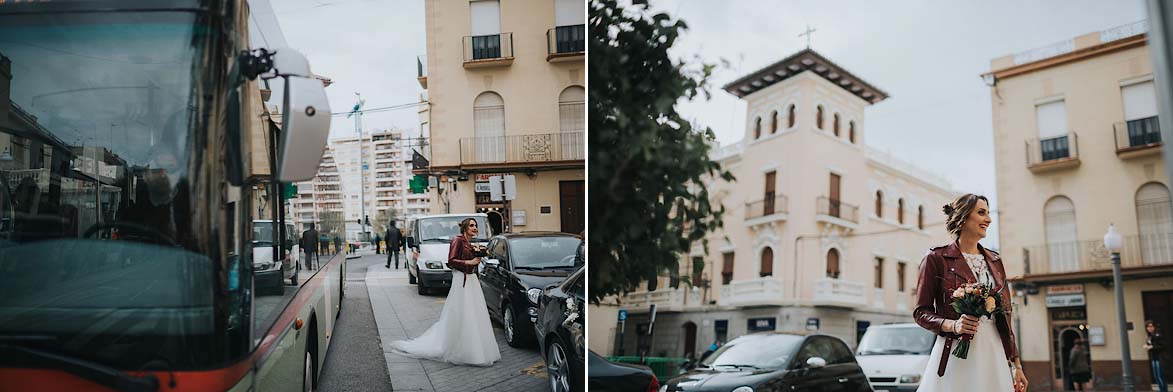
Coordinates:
306 121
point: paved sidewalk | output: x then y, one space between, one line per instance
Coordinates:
402 313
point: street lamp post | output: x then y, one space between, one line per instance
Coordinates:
1113 242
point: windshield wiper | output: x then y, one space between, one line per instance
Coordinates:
526 267
89 370
738 366
889 351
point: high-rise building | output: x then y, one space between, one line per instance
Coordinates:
505 96
1077 147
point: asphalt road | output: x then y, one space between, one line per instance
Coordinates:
355 361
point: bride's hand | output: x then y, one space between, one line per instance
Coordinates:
474 261
966 325
1020 382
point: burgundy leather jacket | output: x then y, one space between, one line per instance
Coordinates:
942 271
459 251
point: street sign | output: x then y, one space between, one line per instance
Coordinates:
289 190
1065 289
519 217
812 323
496 189
622 314
510 187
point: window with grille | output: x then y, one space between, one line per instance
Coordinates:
1155 223
1062 244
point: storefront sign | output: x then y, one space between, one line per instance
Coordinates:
812 324
761 324
482 187
1069 314
484 177
1065 289
1064 300
519 217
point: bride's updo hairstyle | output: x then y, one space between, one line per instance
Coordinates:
960 208
464 225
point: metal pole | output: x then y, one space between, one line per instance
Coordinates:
1125 354
362 173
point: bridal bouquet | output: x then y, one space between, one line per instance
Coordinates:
975 300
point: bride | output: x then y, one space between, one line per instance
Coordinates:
462 335
992 363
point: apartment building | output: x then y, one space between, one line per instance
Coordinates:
505 95
821 233
1078 147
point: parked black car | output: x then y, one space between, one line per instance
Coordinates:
516 270
776 361
561 333
607 376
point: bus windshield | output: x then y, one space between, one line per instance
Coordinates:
105 251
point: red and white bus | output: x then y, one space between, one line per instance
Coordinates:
135 154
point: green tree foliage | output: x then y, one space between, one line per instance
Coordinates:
647 163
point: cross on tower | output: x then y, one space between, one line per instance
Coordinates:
807 33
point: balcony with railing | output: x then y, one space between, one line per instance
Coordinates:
666 300
566 43
421 66
772 208
836 212
839 293
1052 153
1062 260
493 50
766 290
1137 138
566 148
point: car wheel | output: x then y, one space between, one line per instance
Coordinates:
421 289
307 380
509 321
410 278
557 367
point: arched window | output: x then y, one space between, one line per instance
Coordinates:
1154 219
790 115
774 122
920 217
819 117
833 263
767 262
900 211
880 204
757 128
835 124
851 131
570 109
488 112
1062 241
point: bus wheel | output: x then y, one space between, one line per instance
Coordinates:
307 382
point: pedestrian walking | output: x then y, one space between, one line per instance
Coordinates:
1081 370
310 238
337 245
378 244
1156 347
394 243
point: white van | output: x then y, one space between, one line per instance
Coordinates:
428 238
893 356
270 276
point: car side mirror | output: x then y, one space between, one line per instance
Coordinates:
816 362
306 120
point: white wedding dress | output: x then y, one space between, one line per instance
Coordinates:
985 368
462 335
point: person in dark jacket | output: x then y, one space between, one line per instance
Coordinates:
1156 348
337 244
310 238
394 239
1080 369
378 245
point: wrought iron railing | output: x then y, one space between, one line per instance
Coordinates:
548 147
1090 255
566 39
1135 134
837 208
1044 150
766 207
488 47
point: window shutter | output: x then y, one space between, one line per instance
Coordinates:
1052 119
1062 245
486 17
1140 101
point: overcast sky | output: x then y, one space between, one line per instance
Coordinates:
365 46
927 55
